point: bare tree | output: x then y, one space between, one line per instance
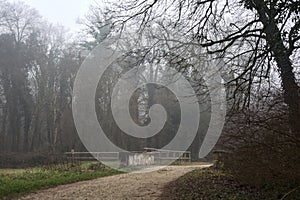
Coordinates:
37 68
17 24
257 38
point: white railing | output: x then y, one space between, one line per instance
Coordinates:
160 155
105 156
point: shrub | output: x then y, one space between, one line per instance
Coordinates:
31 159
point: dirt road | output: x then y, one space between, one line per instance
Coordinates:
142 185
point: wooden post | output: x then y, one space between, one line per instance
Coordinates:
72 155
218 158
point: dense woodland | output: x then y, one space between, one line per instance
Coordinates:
38 66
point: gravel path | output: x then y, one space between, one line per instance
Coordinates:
141 185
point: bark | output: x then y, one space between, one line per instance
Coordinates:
284 64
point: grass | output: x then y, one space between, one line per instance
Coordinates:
22 181
11 171
212 184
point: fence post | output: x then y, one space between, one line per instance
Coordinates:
72 155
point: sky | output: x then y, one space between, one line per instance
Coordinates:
64 12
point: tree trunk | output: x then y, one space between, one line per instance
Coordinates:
281 55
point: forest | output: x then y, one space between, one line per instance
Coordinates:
257 42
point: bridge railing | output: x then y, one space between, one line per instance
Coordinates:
165 155
90 156
160 156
